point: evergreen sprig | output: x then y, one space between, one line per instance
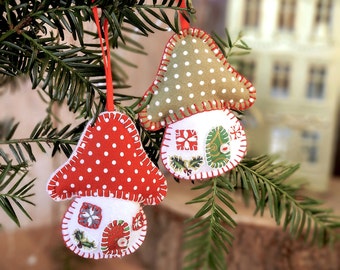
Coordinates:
15 191
268 181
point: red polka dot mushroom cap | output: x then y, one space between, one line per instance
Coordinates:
109 161
194 76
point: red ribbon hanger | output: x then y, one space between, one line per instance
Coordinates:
106 58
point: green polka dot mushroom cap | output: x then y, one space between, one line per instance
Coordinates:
194 76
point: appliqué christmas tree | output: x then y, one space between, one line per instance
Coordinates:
192 96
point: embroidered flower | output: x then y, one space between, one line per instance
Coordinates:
186 139
90 215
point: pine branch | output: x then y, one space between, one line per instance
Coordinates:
209 232
266 178
14 192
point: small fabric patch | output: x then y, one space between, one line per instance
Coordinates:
221 145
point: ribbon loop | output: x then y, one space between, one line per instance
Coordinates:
106 58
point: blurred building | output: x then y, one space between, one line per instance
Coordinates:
295 67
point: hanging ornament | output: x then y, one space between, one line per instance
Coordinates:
192 95
109 178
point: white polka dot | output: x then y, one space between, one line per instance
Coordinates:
231 101
188 74
168 100
57 184
222 69
213 92
224 79
129 179
174 55
194 40
209 60
179 98
105 170
142 179
178 86
113 179
191 95
104 186
106 153
192 106
147 188
90 153
72 185
97 161
200 72
73 169
233 90
113 162
196 51
206 51
202 93
96 178
114 145
181 108
160 114
136 171
97 144
65 176
128 146
129 162
157 103
88 186
80 178
81 161
233 79
106 136
185 53
224 90
198 61
91 136
135 188
241 100
166 89
121 137
211 70
98 128
189 84
149 117
155 92
121 154
176 76
242 90
171 111
186 63
120 187
121 170
165 79
183 42
213 81
89 170
114 128
83 145
175 65
201 82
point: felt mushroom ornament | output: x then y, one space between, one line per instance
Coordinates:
109 179
192 95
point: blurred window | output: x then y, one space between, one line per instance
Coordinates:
252 13
280 140
310 146
323 12
280 80
316 82
246 68
287 10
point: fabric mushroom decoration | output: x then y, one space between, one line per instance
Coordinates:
191 97
109 177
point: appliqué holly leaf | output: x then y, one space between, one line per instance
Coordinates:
195 162
177 163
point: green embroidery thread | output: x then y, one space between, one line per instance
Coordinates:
217 147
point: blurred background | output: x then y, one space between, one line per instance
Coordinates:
294 65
